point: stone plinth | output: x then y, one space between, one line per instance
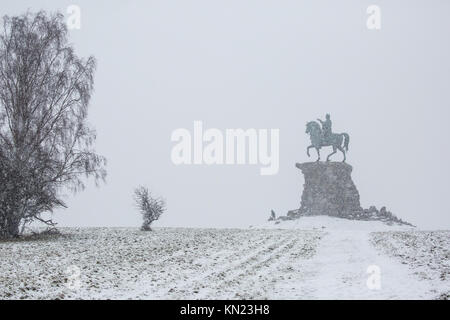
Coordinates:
329 190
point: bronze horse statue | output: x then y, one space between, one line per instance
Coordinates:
318 140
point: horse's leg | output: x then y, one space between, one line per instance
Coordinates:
343 152
318 155
307 149
334 151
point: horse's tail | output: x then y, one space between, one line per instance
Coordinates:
346 140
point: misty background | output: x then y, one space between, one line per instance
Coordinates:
263 64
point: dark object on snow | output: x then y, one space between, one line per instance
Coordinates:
150 208
272 215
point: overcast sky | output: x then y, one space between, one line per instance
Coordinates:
263 64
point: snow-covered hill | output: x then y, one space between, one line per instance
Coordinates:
331 223
311 258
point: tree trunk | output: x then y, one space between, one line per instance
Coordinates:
10 227
146 228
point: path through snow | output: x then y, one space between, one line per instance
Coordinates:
339 270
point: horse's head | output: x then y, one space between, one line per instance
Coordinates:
312 127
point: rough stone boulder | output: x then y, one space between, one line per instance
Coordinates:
329 190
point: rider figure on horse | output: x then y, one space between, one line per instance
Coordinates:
326 128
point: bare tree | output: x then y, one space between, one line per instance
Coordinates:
46 144
150 208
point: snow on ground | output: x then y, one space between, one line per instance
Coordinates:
311 258
347 257
168 263
330 223
426 252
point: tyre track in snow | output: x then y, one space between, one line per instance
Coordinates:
241 283
185 267
261 283
205 286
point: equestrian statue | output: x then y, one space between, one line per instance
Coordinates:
322 136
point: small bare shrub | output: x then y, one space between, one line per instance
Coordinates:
151 208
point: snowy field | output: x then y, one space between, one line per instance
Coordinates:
312 258
427 253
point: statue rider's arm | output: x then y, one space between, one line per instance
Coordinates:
321 122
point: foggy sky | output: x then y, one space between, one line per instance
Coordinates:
263 64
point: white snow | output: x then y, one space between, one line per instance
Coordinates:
342 265
331 223
310 258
